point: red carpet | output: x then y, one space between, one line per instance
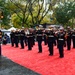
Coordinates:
42 62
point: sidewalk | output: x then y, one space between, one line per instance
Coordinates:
7 67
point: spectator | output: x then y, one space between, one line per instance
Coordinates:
6 39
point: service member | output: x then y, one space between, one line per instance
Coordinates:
12 36
22 38
16 38
39 34
73 38
29 40
51 39
61 42
68 38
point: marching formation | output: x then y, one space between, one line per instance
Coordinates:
51 37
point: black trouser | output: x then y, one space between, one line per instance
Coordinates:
61 51
51 48
26 41
74 43
16 42
45 40
65 44
29 43
57 43
61 48
12 42
33 40
69 44
22 43
54 41
40 46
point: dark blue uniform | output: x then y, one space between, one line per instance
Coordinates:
69 35
22 37
39 34
51 38
61 42
12 35
16 38
73 38
29 39
45 37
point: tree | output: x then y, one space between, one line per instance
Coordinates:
5 19
20 8
65 12
40 11
33 9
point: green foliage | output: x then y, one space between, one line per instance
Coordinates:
6 13
28 13
65 12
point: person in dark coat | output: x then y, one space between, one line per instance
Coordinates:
16 38
26 33
61 42
29 40
68 38
51 39
12 36
39 34
5 39
22 37
45 36
33 38
73 38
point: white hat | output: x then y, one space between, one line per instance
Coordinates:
61 28
40 26
74 29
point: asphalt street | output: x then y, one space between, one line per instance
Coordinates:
8 67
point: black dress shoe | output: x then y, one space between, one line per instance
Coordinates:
29 49
50 54
39 52
21 48
61 56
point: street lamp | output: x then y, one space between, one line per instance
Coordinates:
1 16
